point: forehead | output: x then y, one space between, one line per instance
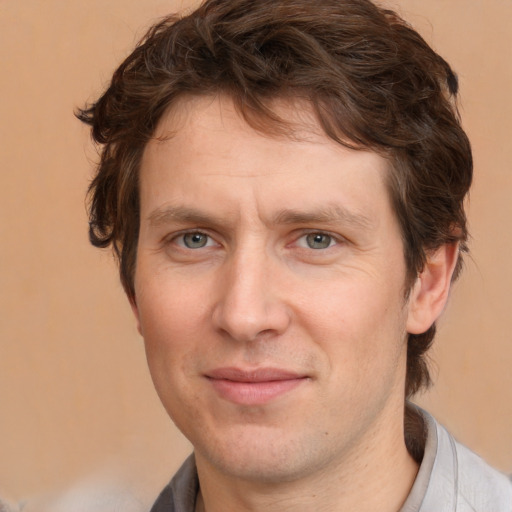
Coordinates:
203 148
283 118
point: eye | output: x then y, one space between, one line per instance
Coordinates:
195 240
317 241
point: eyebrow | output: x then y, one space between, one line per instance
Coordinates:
168 214
334 213
329 214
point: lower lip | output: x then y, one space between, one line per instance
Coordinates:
254 393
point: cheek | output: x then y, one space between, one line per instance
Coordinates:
172 356
169 322
168 307
168 337
360 327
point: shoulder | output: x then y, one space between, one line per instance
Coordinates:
480 486
180 494
462 480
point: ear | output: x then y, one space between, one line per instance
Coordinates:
429 293
133 304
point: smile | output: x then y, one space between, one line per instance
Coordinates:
256 387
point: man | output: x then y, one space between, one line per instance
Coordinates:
283 182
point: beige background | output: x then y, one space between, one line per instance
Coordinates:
75 396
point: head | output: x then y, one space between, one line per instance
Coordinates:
370 80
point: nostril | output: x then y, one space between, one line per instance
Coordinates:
248 323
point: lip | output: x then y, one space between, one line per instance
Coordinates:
253 387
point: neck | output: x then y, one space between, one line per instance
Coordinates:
376 476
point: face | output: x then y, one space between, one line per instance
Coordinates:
269 290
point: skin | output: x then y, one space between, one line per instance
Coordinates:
283 253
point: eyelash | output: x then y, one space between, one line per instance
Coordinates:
332 240
179 239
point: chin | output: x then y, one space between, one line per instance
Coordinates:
263 457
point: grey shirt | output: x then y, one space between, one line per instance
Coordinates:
451 478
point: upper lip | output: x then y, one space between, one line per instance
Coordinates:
256 375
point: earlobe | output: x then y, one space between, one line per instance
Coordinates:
430 292
135 309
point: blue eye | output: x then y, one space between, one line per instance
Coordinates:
319 240
195 240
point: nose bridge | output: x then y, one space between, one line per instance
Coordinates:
248 304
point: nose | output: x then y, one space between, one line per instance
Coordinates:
250 303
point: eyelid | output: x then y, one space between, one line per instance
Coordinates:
299 234
303 233
178 236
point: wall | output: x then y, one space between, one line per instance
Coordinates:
75 396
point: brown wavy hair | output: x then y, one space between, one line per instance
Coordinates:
371 80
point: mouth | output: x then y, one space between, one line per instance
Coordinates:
253 387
